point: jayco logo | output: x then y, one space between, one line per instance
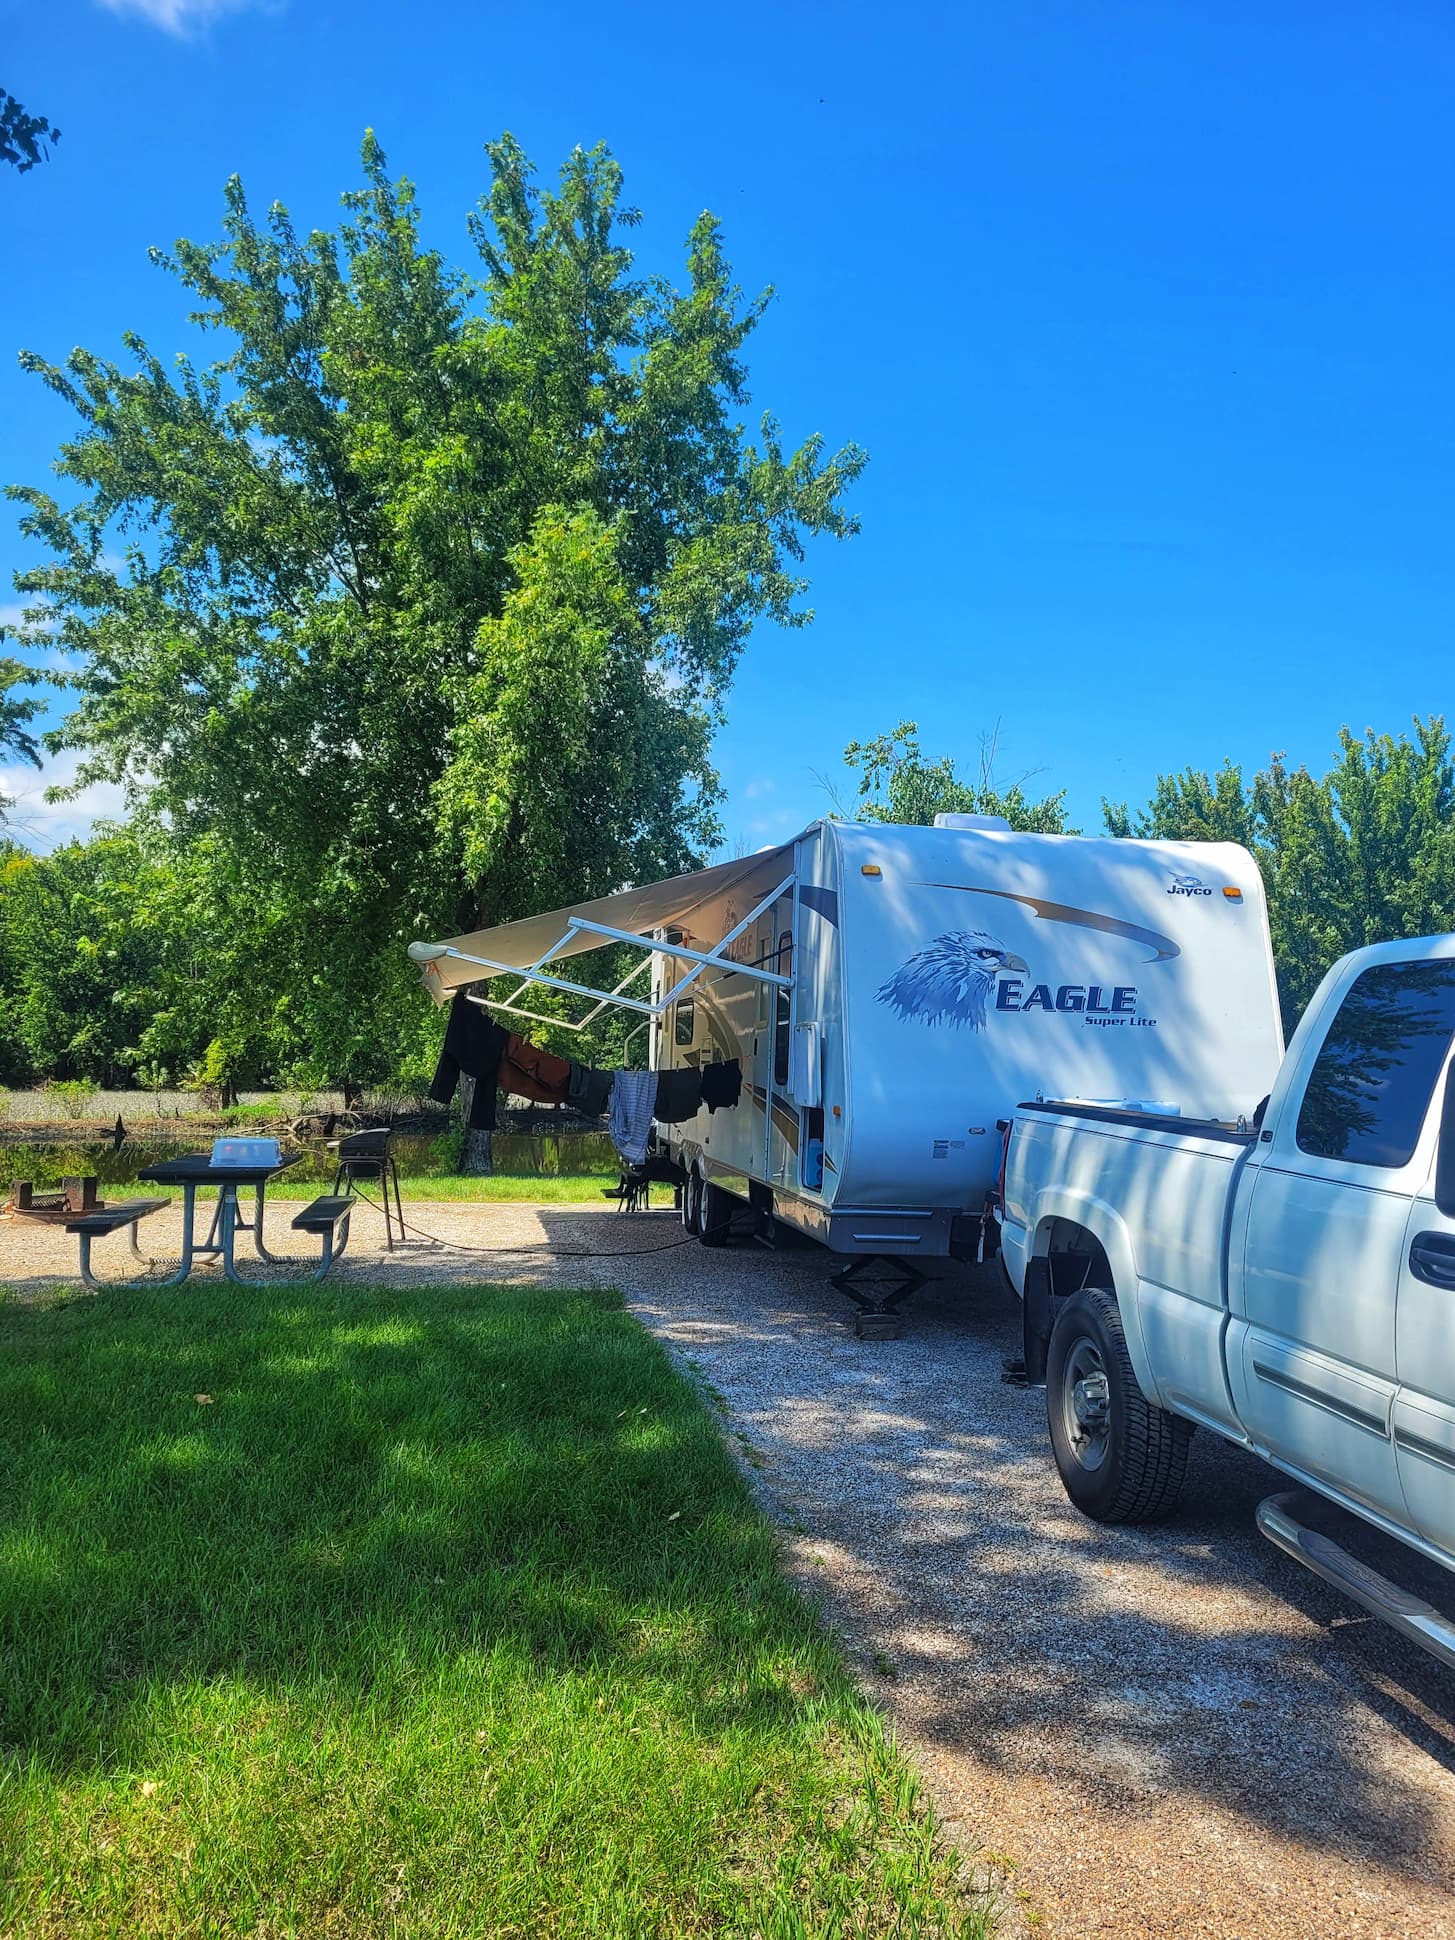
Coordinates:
1188 886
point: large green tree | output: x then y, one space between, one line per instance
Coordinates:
432 583
1360 854
897 784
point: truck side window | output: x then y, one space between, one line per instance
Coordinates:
783 1001
1373 1079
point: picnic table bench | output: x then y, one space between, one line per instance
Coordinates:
81 1213
329 1218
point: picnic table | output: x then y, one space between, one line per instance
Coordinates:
77 1209
327 1217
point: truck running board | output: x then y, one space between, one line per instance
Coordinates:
1409 1615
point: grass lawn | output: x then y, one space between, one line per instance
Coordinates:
541 1188
341 1612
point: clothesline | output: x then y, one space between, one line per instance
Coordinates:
499 1060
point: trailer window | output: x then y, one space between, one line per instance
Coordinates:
684 1027
1372 1081
783 1007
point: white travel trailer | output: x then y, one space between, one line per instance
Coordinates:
891 992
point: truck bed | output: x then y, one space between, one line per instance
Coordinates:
1157 1189
1155 1121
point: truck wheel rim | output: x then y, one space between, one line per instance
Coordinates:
1086 1404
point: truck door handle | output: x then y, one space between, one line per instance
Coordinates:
1432 1259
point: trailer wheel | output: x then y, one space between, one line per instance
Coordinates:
714 1213
1120 1458
691 1186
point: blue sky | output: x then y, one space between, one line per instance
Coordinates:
1143 311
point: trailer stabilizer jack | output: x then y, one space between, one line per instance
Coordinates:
878 1299
1402 1611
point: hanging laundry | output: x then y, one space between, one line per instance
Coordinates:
474 1046
722 1084
633 1094
526 1072
679 1093
588 1091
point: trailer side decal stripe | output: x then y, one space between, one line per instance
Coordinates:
1162 947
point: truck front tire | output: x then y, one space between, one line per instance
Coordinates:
1120 1458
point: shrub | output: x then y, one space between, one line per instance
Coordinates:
75 1096
214 1076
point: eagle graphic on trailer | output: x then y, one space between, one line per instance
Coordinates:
951 980
872 981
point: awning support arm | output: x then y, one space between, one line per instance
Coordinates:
699 959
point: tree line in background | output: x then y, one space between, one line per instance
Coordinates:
416 610
112 968
1360 854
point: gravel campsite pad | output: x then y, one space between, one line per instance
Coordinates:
1169 1731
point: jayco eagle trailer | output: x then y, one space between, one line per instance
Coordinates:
893 991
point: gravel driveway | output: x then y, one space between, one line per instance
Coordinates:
1158 1732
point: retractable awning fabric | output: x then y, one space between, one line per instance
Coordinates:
672 904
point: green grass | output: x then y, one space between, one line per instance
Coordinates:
542 1188
351 1612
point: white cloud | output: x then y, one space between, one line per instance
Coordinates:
179 17
760 785
43 825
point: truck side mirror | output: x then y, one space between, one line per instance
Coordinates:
1445 1155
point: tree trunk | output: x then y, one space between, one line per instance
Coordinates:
476 1162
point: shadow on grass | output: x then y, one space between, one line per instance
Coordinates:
414 1570
368 1472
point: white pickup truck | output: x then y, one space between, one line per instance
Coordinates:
1288 1282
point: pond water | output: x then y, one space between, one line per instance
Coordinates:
46 1161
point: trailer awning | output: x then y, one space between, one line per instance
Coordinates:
525 948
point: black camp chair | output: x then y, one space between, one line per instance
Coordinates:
634 1192
366 1155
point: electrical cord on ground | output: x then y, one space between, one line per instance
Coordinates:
556 1252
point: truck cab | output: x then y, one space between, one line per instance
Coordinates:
1285 1278
1341 1339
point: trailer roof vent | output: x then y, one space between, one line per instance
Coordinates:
944 821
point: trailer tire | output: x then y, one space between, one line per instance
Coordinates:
691 1186
1120 1457
714 1213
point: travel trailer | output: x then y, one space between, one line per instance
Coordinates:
892 992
